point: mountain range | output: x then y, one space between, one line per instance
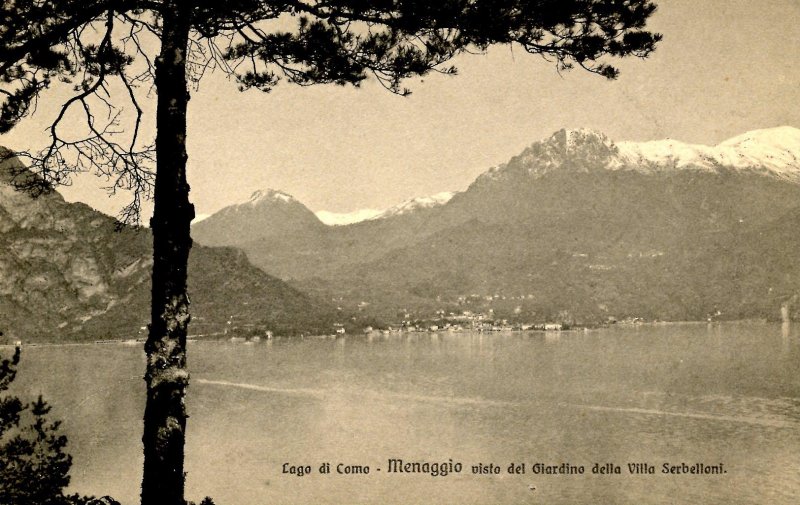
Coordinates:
576 228
67 274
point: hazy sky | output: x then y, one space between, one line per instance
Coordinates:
724 67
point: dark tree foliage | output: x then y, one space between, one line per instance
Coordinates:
104 50
34 469
114 52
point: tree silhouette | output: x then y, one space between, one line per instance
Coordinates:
104 49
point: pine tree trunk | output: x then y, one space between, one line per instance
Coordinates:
166 376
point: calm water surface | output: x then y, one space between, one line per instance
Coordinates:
721 393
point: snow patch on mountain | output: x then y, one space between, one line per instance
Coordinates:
414 204
343 218
406 207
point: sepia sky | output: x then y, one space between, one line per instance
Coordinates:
724 67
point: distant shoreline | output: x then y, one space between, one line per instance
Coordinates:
240 340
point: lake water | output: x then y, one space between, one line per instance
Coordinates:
694 393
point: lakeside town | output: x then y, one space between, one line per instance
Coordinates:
464 322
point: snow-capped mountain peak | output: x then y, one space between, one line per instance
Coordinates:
263 203
773 152
260 196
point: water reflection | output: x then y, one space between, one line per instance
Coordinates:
552 336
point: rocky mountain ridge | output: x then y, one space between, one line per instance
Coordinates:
773 152
66 274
